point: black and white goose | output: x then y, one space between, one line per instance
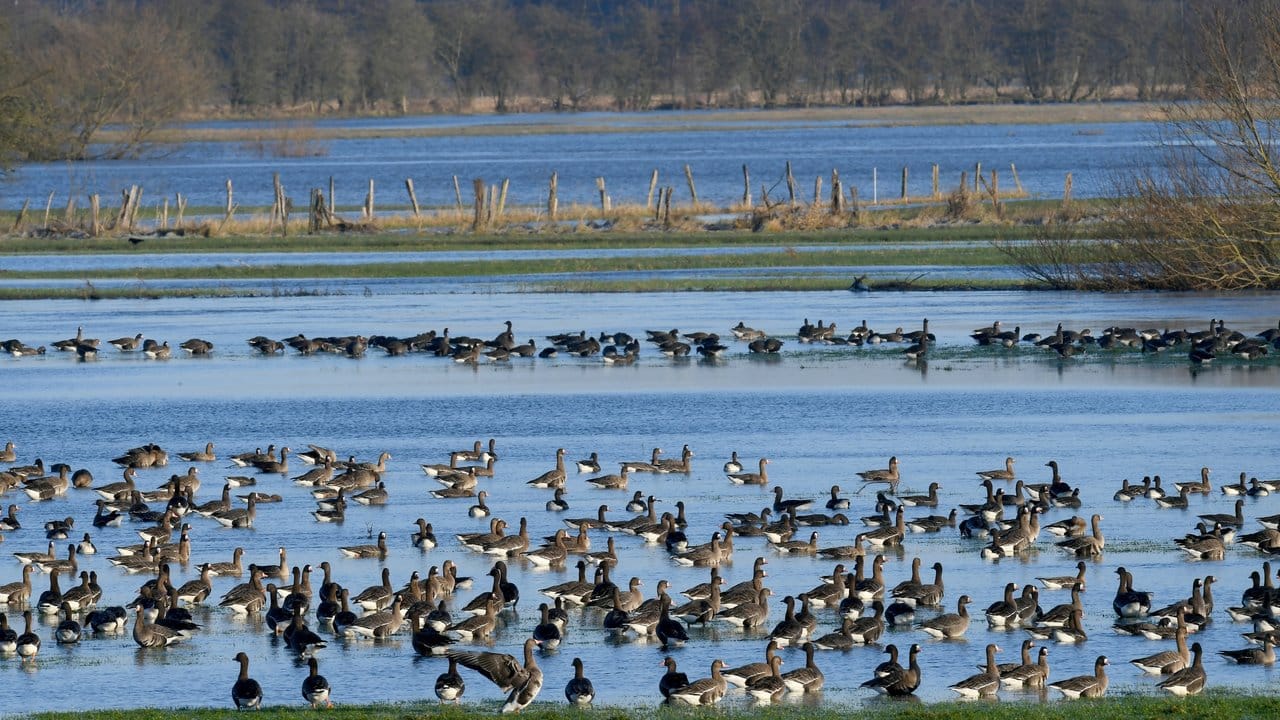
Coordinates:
246 693
579 690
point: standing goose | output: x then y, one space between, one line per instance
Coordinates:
18 593
986 682
920 349
68 631
741 676
246 693
579 690
1028 675
8 636
1086 545
949 625
671 680
521 681
1130 603
807 679
315 688
449 684
1190 680
706 691
147 635
768 688
1088 686
616 481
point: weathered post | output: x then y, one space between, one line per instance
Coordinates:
904 185
368 202
477 187
604 196
693 190
837 193
95 227
457 196
181 201
746 186
553 201
817 191
791 186
653 183
502 197
937 190
413 197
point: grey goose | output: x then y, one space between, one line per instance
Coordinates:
1085 686
522 681
986 682
705 691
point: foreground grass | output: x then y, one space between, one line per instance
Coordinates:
1214 706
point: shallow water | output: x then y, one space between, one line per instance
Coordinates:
868 158
819 413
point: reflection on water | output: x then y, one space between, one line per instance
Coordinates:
819 414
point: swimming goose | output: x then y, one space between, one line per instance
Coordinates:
610 482
509 545
246 693
199 456
888 536
1059 615
1203 486
1237 488
706 691
226 569
671 465
807 679
424 537
378 551
246 597
70 566
1190 680
751 478
82 596
1251 655
521 681
733 465
50 601
8 454
28 643
1236 520
1086 545
373 496
1088 686
894 680
195 592
929 500
10 523
237 517
380 624
552 478
923 594
889 475
1005 474
1175 502
8 636
747 614
278 467
949 625
921 347
984 683
1028 675
589 465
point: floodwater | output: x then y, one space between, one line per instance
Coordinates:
869 159
819 413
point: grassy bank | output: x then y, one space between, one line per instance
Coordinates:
1214 706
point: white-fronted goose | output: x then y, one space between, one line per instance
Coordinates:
1004 474
237 517
616 481
706 691
983 683
246 693
1190 680
890 536
1087 686
1235 520
895 680
552 478
1166 662
149 635
928 500
521 681
1086 545
949 625
1066 582
671 465
751 478
18 593
246 597
807 679
206 455
1202 486
376 551
887 475
228 569
749 614
1028 675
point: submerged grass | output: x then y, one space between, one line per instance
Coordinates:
1211 706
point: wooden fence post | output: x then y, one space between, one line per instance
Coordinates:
817 191
413 197
1017 182
48 206
604 196
457 196
1066 192
95 228
977 175
905 197
937 190
231 208
693 190
666 206
69 212
368 202
653 184
502 197
853 202
553 200
332 197
477 187
181 201
746 186
837 193
164 215
791 186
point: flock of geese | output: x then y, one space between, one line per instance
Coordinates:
1200 346
856 595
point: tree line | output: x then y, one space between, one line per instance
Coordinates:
71 66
